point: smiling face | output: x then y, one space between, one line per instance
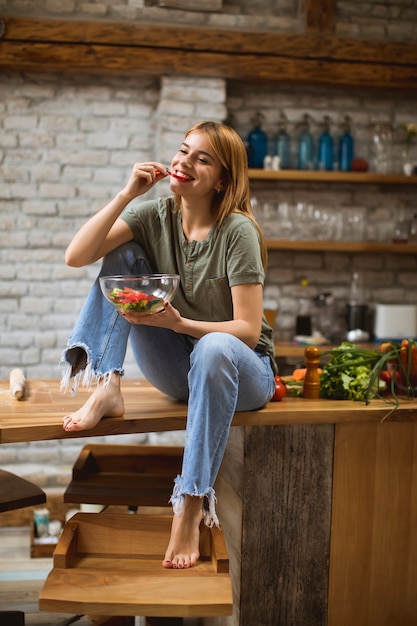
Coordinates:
195 168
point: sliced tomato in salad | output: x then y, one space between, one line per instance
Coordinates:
136 301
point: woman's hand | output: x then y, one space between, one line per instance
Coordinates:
143 177
168 318
104 232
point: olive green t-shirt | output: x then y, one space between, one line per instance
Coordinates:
229 256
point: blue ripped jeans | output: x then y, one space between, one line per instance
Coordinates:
217 375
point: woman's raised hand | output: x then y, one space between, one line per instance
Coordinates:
143 177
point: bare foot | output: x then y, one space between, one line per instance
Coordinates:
104 401
183 548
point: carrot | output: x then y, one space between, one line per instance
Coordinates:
386 347
300 373
409 359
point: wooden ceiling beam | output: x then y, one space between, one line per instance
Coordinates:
36 57
100 47
205 39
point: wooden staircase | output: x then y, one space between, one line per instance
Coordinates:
111 565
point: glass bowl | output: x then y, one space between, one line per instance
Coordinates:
141 295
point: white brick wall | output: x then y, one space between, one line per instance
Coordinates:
73 151
63 156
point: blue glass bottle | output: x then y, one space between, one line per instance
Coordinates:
346 147
305 146
282 144
257 143
325 149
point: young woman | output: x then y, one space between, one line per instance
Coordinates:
211 346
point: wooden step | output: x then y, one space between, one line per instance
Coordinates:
112 565
131 475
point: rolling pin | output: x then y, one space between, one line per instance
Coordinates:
17 384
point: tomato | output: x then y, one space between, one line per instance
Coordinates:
388 375
280 390
359 165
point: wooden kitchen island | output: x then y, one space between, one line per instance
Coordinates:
317 499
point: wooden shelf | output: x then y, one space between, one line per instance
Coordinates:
336 177
342 246
332 177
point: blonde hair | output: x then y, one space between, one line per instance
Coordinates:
235 197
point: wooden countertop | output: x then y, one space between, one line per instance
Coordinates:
39 415
291 349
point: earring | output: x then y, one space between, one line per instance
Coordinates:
218 190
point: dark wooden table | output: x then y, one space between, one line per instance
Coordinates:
17 493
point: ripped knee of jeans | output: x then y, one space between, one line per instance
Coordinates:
77 366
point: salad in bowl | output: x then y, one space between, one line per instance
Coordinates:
142 295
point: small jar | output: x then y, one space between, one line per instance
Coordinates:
412 236
276 163
268 162
381 147
401 230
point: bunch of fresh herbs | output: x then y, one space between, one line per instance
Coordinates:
354 373
347 374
